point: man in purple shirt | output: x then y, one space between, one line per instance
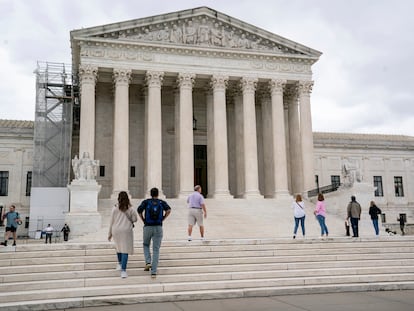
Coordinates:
196 211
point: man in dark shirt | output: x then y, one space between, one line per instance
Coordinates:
152 213
354 213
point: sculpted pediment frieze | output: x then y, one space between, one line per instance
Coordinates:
202 31
200 27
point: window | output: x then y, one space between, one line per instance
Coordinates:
335 181
132 172
379 192
28 183
102 171
398 186
4 183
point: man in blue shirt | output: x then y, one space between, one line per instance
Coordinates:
13 220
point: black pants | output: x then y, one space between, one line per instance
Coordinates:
354 225
65 236
49 237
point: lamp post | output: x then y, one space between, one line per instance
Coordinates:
194 124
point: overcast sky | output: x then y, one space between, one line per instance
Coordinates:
364 81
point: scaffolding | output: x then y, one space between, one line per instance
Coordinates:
53 125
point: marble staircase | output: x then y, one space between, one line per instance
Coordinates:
238 218
76 274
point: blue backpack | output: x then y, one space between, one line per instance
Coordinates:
154 213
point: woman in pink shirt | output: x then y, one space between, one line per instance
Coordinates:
320 213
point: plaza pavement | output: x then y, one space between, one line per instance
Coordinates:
399 300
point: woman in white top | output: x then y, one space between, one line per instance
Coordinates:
299 214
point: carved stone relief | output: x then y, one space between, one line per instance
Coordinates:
202 31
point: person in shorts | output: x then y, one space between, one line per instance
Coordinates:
196 211
13 220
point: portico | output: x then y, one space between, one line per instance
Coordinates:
247 90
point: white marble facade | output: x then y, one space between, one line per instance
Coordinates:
385 156
144 82
16 160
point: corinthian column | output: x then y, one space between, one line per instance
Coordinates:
305 88
87 77
122 78
184 134
153 139
251 171
221 171
278 139
210 142
267 169
295 151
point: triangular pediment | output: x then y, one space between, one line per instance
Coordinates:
200 27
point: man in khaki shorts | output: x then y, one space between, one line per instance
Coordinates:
196 211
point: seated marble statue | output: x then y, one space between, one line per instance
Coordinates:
350 173
85 168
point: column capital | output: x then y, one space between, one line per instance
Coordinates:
154 78
186 80
290 93
248 84
305 87
277 86
219 82
122 76
88 73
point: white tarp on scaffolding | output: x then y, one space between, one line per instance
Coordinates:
48 206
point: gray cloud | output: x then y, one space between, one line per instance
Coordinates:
363 81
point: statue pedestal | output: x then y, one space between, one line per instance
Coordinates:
363 192
83 216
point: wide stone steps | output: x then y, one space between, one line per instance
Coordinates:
48 277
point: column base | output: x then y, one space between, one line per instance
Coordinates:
281 194
254 194
222 194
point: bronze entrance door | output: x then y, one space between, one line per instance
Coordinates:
200 167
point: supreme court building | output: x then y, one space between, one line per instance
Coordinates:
195 97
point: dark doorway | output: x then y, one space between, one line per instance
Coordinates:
200 167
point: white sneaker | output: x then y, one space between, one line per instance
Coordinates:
118 267
203 238
124 274
190 238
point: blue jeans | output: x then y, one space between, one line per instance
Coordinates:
123 260
375 223
354 224
153 233
302 224
324 228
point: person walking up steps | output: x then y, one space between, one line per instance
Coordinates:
196 211
299 215
152 213
65 231
121 227
374 211
320 213
13 221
